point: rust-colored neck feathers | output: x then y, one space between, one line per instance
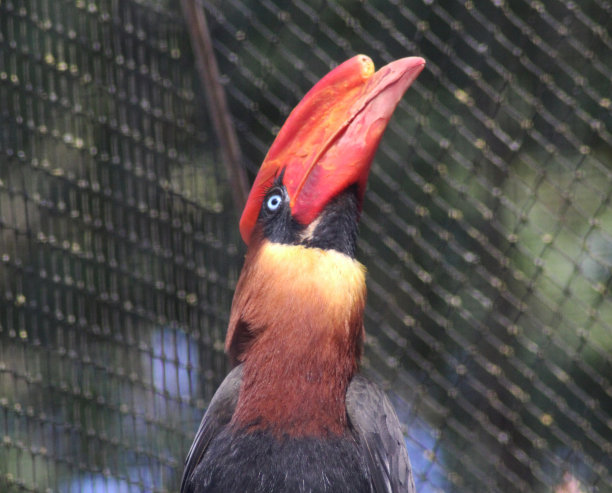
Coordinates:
297 324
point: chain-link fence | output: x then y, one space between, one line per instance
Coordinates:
487 232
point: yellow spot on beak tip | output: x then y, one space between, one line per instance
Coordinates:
367 66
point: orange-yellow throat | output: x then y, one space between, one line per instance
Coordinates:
297 324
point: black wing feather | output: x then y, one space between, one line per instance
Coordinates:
218 414
380 436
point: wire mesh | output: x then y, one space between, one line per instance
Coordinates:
487 232
117 262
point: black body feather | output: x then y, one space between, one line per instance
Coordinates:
371 458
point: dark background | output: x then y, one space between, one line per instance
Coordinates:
487 232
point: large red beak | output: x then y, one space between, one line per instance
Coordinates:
328 141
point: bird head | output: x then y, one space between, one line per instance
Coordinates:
326 145
309 192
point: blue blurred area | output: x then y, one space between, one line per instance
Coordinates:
100 483
175 364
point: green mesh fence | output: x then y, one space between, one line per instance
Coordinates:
487 232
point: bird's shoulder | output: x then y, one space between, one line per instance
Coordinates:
380 436
218 415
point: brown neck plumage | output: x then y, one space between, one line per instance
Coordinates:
297 326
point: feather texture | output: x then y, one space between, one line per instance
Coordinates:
372 457
379 432
297 323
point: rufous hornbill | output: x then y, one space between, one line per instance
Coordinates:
294 415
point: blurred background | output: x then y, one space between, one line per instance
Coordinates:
487 232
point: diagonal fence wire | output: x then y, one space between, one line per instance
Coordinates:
487 232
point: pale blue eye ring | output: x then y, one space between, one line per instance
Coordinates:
274 202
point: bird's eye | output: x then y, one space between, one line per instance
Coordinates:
274 202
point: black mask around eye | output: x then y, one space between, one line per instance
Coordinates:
275 216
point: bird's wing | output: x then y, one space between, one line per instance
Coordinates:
380 436
218 414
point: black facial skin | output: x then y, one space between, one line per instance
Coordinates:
336 228
278 225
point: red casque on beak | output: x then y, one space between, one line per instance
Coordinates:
329 139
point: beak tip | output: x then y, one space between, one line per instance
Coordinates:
413 65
